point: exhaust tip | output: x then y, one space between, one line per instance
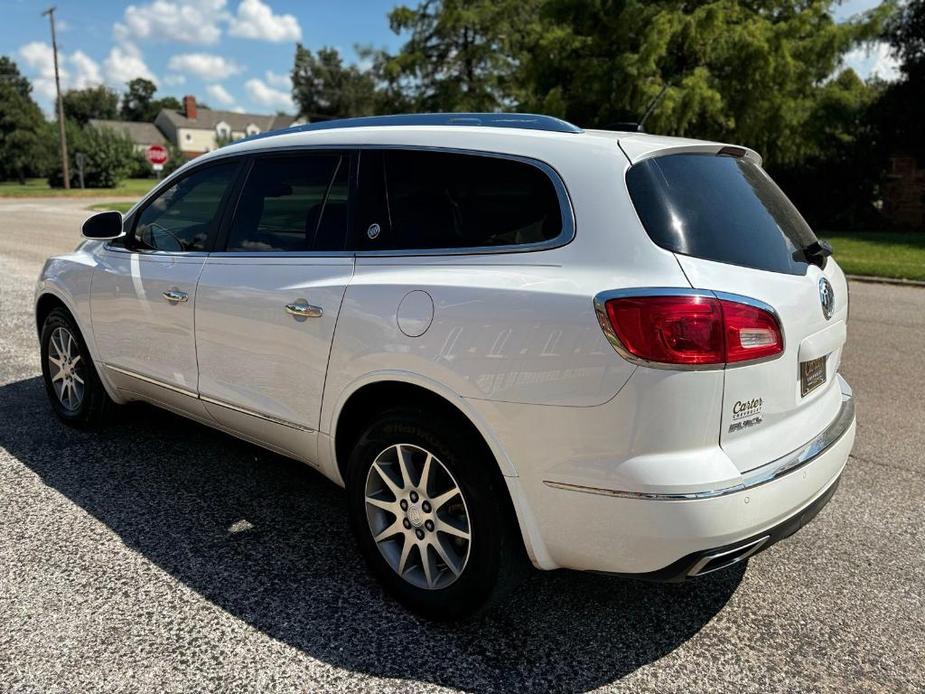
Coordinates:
714 561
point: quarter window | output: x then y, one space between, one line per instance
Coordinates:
429 200
182 217
292 203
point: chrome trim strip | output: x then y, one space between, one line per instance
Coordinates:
211 401
601 299
784 465
152 381
251 413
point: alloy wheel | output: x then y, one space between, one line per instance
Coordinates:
417 516
66 369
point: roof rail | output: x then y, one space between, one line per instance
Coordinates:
526 121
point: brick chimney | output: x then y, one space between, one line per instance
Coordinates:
189 106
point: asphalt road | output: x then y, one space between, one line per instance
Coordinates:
160 555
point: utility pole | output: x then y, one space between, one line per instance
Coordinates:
54 47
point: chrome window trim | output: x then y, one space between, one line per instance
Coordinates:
211 401
769 472
601 299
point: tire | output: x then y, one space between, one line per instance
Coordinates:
488 563
75 392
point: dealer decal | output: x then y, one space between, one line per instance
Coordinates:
745 414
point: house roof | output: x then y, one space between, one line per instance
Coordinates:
138 133
207 119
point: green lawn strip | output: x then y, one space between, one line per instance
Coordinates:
880 254
122 207
39 188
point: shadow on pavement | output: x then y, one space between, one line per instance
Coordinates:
177 492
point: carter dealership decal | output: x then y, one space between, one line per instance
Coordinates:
745 414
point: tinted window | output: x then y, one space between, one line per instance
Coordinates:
719 208
182 217
444 200
292 203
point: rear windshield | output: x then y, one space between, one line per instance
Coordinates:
719 208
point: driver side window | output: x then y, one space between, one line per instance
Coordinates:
181 218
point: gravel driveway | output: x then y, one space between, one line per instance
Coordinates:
160 555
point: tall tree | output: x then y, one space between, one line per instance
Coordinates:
324 87
139 104
744 71
25 136
461 55
81 105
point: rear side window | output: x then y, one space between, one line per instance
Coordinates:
292 203
429 200
182 217
719 208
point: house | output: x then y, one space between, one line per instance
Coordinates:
141 134
196 131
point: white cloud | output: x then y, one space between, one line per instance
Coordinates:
77 70
207 66
873 60
174 80
219 94
124 63
184 21
281 80
255 20
268 97
239 109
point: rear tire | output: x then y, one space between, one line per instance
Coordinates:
73 386
447 546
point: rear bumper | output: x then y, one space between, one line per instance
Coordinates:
681 533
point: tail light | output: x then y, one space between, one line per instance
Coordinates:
692 330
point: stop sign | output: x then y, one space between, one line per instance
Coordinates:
156 155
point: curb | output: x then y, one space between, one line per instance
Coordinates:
885 280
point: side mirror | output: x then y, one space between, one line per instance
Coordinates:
103 226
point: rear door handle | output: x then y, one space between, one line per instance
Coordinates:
175 296
302 309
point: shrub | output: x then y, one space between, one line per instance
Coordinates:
109 157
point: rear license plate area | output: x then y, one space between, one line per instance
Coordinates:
812 375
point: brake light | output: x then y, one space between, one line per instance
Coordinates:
693 330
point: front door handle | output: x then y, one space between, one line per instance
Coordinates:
175 296
302 309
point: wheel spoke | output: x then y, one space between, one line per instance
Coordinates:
78 379
450 563
389 506
424 482
58 376
405 553
56 361
403 466
444 527
70 344
427 565
384 476
439 501
75 360
394 529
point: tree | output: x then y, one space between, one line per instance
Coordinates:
110 156
81 105
325 88
462 55
139 104
25 135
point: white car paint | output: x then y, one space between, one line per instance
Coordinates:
594 448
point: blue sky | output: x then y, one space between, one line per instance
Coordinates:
232 54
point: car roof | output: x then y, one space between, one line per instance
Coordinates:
501 132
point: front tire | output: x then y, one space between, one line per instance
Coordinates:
427 511
74 389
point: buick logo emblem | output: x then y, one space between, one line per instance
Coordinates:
826 298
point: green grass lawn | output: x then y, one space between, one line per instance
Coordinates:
122 207
881 254
39 188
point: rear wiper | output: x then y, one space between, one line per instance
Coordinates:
817 252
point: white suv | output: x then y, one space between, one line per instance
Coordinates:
509 338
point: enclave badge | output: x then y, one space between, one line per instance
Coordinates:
826 298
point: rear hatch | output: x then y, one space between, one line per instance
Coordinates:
734 231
